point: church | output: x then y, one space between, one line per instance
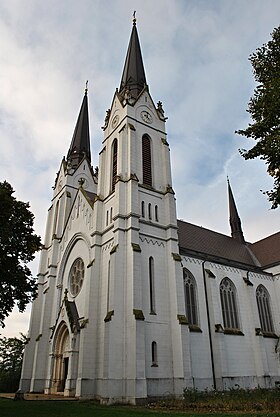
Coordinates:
133 303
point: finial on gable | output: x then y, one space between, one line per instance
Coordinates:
134 18
86 89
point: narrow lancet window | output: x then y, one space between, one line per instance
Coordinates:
143 209
152 285
55 218
154 354
108 287
156 213
150 211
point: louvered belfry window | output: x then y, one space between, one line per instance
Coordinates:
114 163
263 302
146 160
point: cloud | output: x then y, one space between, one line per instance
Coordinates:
196 61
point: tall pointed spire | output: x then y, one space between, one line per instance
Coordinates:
133 77
234 219
80 144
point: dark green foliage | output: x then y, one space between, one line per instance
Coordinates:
11 354
10 408
264 108
234 399
18 243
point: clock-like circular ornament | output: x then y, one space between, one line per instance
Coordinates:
115 121
146 116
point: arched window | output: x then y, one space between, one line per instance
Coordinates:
78 207
263 302
154 354
152 285
108 285
55 218
229 304
150 211
146 160
114 163
143 209
156 213
190 297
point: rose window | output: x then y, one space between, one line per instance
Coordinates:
76 276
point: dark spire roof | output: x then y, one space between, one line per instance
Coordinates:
80 144
133 77
234 219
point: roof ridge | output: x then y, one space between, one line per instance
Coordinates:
209 230
267 237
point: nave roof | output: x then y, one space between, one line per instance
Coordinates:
208 244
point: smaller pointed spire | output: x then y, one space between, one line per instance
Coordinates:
234 219
133 77
80 144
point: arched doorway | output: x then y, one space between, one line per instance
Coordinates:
61 359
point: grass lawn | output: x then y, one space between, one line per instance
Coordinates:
10 408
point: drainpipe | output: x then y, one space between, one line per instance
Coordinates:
209 328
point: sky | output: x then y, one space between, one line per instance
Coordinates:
195 55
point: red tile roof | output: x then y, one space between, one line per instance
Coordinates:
206 243
267 250
196 239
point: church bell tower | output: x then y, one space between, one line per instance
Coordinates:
143 332
109 319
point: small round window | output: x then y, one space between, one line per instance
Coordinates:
76 276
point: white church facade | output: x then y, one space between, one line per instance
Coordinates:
133 303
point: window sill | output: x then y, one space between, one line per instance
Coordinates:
109 316
195 328
147 186
270 335
235 332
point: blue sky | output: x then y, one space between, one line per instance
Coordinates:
196 60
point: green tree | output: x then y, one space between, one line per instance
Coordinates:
264 108
11 354
18 244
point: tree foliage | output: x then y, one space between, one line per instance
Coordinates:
11 354
264 108
18 244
